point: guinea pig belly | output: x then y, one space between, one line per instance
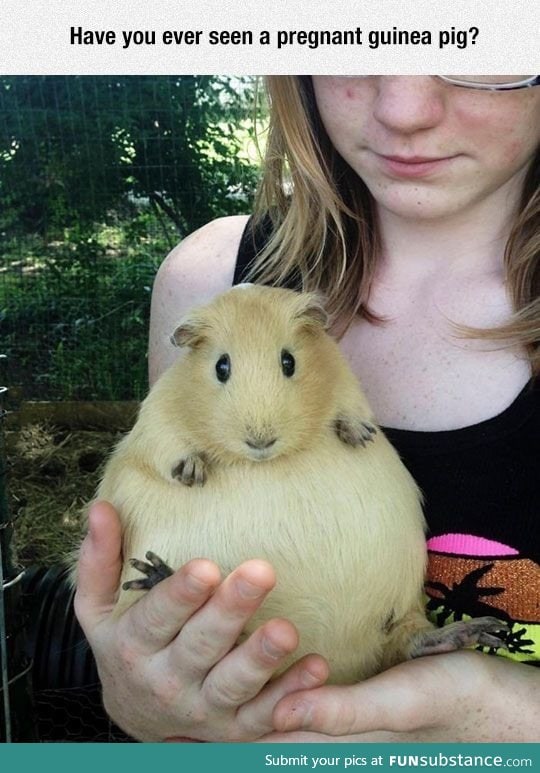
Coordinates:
342 528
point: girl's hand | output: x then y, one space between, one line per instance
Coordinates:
462 696
169 665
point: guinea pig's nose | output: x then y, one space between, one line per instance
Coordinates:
260 443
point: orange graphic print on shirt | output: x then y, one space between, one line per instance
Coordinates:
472 576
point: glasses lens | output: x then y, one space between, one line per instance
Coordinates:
490 80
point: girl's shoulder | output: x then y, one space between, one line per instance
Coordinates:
211 248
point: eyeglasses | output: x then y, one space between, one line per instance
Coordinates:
482 82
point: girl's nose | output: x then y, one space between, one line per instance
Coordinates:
407 104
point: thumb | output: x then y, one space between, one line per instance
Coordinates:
100 565
391 701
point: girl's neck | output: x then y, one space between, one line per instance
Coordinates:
467 243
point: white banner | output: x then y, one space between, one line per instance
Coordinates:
276 36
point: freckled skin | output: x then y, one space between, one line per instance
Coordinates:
421 116
442 240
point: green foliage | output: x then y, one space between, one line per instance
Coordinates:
74 148
99 177
84 314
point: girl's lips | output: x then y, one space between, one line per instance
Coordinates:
412 166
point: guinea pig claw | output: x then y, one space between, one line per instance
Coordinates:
353 431
191 471
483 631
156 571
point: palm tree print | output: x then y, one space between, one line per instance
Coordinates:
465 597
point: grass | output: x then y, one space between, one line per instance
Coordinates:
53 474
74 312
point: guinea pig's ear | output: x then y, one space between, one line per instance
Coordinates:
190 332
311 310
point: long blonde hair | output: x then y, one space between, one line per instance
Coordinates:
325 232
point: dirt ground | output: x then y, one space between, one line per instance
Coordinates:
52 473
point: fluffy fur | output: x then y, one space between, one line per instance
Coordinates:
341 524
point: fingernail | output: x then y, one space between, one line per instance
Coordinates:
195 585
271 649
309 680
247 590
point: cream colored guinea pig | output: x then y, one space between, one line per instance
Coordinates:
259 443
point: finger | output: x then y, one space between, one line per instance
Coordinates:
246 669
99 566
214 630
305 736
392 701
307 673
157 618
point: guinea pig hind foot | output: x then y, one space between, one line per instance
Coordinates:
191 470
478 631
155 570
354 431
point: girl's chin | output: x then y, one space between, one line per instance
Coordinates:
419 207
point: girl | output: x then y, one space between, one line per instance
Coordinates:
413 205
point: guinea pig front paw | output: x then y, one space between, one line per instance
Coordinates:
191 471
354 431
155 570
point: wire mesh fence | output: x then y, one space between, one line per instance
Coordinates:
100 176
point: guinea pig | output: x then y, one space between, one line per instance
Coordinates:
259 443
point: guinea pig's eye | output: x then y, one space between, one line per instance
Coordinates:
223 368
287 363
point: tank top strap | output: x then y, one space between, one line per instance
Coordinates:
253 240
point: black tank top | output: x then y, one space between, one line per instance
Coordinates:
481 487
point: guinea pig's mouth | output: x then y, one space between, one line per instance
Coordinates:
260 456
260 449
